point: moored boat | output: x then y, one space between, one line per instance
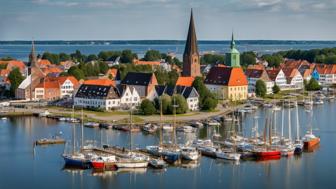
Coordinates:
227 155
149 128
91 124
104 162
190 153
157 163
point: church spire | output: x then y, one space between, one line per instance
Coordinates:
233 43
191 60
32 56
191 43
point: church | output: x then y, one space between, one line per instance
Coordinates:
228 82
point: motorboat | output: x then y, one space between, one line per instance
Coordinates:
157 163
190 153
44 114
91 124
149 128
104 162
185 129
228 155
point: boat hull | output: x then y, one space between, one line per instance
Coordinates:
78 163
267 154
132 164
311 143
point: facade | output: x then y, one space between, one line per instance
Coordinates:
191 58
327 74
97 96
227 83
278 77
144 83
47 90
189 93
294 78
129 97
253 75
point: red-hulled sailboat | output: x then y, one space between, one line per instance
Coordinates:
267 150
310 140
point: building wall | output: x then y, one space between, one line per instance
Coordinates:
193 104
236 93
281 80
252 82
130 98
67 89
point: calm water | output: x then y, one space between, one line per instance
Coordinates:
20 168
20 50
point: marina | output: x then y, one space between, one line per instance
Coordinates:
111 145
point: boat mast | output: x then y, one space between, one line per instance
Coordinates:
282 119
82 130
289 123
297 123
174 125
73 130
130 128
256 133
161 126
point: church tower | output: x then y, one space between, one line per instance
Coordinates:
232 58
191 59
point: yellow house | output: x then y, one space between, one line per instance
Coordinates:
227 82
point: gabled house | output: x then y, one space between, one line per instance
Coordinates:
294 78
144 83
278 77
189 93
253 75
47 90
327 73
97 96
227 82
129 97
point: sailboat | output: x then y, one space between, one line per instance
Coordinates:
76 159
287 147
298 144
133 160
267 151
310 140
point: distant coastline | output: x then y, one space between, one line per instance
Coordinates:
162 42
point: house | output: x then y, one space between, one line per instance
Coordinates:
278 77
144 83
189 93
227 82
113 74
47 90
97 96
293 77
327 74
4 81
253 75
44 63
129 97
68 85
185 81
67 64
11 64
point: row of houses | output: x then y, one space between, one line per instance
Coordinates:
290 75
134 88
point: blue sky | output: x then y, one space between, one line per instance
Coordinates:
167 19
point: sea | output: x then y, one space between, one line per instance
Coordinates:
21 49
23 166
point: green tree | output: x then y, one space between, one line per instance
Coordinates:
210 103
76 72
248 58
260 88
77 56
64 57
275 89
91 57
313 85
53 58
152 55
127 56
15 77
103 67
204 94
212 59
147 107
181 104
273 60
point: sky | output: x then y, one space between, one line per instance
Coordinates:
167 19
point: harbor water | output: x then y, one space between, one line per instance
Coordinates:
23 166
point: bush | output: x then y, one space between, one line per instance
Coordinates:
276 89
181 103
260 88
147 107
312 85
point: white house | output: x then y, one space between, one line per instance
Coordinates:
68 84
294 78
97 96
253 75
278 77
129 96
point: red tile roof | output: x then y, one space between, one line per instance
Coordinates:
103 82
185 81
229 76
151 63
44 62
49 85
273 73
